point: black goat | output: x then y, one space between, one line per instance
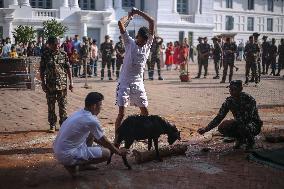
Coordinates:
138 127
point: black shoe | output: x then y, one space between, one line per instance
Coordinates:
197 77
102 78
237 69
110 79
205 77
277 74
52 129
216 77
160 78
151 78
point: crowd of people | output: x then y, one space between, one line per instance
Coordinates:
73 146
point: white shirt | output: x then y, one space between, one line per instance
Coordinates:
134 60
70 141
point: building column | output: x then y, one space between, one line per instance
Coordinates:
108 4
64 3
13 2
118 4
174 6
8 28
84 28
25 3
74 4
198 7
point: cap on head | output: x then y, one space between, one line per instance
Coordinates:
94 41
107 37
237 84
264 37
255 34
214 38
52 40
199 38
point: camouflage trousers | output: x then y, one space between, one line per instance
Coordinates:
151 66
217 66
226 64
253 67
204 63
61 97
241 131
106 62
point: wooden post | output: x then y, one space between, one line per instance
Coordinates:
141 157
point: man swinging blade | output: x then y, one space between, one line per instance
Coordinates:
130 85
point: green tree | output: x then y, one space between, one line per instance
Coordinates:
24 34
53 28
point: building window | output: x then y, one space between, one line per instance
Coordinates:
128 3
229 23
269 24
229 4
43 4
180 36
87 4
250 4
250 24
270 4
280 25
182 6
260 24
1 3
1 32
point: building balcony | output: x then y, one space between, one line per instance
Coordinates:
187 18
45 13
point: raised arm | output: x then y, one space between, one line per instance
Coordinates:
146 17
122 23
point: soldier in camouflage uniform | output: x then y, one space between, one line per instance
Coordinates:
272 57
258 68
246 123
155 58
106 50
251 56
229 50
217 51
265 49
281 57
85 56
198 48
54 69
204 51
120 51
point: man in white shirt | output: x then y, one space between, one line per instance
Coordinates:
130 84
73 144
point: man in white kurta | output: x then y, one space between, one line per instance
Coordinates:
130 86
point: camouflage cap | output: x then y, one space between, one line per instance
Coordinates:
255 34
236 84
214 38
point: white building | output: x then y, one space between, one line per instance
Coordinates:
175 19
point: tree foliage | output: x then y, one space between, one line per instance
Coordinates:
24 34
53 28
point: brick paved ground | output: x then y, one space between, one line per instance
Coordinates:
26 154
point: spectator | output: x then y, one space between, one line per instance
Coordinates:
13 53
75 63
176 54
30 49
6 48
94 57
169 55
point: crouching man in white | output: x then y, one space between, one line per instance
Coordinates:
73 144
130 84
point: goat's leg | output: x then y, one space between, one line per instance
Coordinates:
127 146
149 144
157 149
109 159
